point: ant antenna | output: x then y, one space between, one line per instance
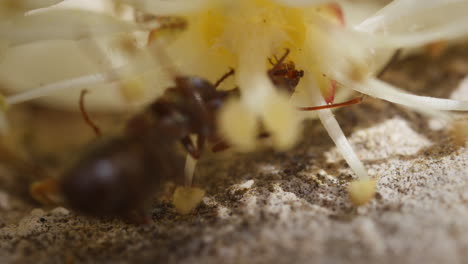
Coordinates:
85 115
227 74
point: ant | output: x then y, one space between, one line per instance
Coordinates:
284 75
120 174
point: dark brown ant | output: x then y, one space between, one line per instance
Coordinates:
119 175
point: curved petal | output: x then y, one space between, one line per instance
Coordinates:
74 24
409 11
382 90
175 7
303 2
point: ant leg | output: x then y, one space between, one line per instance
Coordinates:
229 73
347 103
85 115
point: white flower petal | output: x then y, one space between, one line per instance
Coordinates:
35 4
303 2
20 6
410 11
456 29
43 82
382 90
174 7
62 85
62 24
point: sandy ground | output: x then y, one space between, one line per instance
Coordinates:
276 207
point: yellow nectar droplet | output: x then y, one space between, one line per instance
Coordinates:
186 199
362 192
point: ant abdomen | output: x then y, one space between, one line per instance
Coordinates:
118 176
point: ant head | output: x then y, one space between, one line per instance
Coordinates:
198 94
196 87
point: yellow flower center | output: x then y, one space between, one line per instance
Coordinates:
226 26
